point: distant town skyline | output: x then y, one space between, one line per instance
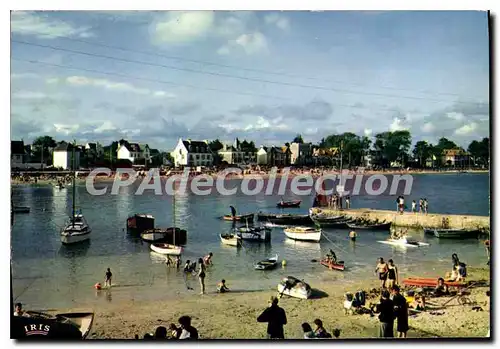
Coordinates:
262 76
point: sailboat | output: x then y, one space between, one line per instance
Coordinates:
77 229
168 249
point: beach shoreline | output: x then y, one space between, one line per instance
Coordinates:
233 315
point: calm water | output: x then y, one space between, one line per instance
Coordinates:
48 275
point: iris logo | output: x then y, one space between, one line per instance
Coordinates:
40 329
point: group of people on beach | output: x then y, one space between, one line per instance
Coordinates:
184 331
423 205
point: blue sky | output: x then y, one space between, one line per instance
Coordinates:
317 73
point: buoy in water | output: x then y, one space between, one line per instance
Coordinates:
98 286
283 263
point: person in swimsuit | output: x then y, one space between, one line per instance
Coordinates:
208 259
381 270
352 235
201 275
392 274
109 275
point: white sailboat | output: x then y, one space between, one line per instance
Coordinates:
77 229
168 249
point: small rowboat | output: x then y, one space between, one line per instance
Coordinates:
230 239
430 282
303 233
239 218
288 204
339 265
167 249
165 235
294 287
452 233
267 264
403 242
382 226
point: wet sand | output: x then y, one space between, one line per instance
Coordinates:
233 315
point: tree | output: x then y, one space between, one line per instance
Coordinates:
215 145
43 143
422 151
298 139
480 151
392 146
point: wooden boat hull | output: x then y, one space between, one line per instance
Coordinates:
288 204
166 249
299 289
285 219
241 218
453 233
230 240
430 282
141 222
293 234
165 236
338 224
384 226
83 321
333 266
267 264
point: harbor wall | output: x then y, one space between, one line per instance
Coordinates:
417 220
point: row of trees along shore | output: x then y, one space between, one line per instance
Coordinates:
384 149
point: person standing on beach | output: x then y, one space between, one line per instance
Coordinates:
381 270
414 206
109 275
275 317
401 311
348 202
386 316
421 205
392 274
201 275
426 206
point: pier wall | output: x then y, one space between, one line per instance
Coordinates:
417 220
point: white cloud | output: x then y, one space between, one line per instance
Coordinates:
224 50
28 95
278 20
52 81
397 125
466 129
66 129
367 132
106 126
42 26
15 76
428 127
163 94
252 43
180 27
456 116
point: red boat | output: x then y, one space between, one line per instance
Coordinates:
430 282
288 204
330 265
141 222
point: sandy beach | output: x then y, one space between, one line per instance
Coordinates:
233 315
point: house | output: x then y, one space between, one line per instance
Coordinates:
232 154
455 157
273 156
301 153
324 156
17 154
63 156
192 153
136 153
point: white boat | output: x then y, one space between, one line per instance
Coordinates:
303 233
294 287
166 249
267 264
76 230
404 242
230 239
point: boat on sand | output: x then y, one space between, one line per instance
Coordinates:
294 287
430 282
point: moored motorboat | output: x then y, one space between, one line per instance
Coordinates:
20 209
380 226
294 287
404 242
230 239
165 235
249 234
286 219
166 249
288 204
303 233
141 222
327 262
452 233
267 264
76 230
339 222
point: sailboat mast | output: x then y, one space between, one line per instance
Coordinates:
74 183
173 206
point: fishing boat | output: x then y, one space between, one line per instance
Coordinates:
267 264
254 236
77 229
166 249
339 222
430 282
230 239
294 287
380 226
452 233
20 209
288 204
233 217
286 219
81 321
404 242
327 262
141 222
303 233
165 235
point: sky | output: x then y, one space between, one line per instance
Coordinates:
266 76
